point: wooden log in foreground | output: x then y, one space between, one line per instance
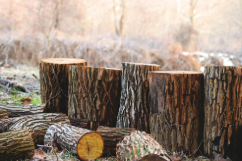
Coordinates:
86 143
16 145
111 136
138 145
54 82
36 124
3 114
223 117
135 97
177 114
94 94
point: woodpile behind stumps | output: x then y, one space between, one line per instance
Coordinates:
176 117
138 145
135 98
223 123
94 94
86 143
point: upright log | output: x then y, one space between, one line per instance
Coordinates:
223 115
3 114
138 145
86 143
176 117
135 97
16 145
36 124
94 94
54 82
111 136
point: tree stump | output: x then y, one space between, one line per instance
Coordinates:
36 124
86 143
111 136
137 145
54 82
3 114
223 115
135 97
177 103
94 94
16 145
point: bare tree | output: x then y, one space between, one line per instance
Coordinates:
119 20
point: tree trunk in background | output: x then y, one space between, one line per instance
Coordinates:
82 123
111 136
137 145
135 96
223 123
16 145
86 143
17 111
176 117
36 124
54 82
94 94
3 114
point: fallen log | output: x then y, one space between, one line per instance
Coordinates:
14 85
3 114
137 145
111 136
54 82
223 123
94 94
86 143
135 97
82 123
17 111
176 117
36 124
16 145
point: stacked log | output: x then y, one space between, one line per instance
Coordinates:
36 124
94 94
3 114
16 145
86 143
83 123
223 123
135 98
111 136
176 117
54 82
138 145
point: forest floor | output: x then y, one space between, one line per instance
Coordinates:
28 77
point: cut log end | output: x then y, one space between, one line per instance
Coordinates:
90 146
63 61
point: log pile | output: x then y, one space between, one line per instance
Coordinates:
3 114
135 98
94 94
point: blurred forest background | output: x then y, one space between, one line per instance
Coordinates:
177 34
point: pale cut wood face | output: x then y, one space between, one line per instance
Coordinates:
63 60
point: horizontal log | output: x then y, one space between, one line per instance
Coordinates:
83 123
3 114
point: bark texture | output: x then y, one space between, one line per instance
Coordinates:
69 137
54 82
36 124
82 123
135 97
16 111
111 136
3 114
16 145
94 94
223 123
137 145
152 157
177 104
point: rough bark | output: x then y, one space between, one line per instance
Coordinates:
36 124
16 111
177 104
94 94
82 123
3 114
135 97
111 136
54 82
137 145
223 123
16 145
86 143
152 157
